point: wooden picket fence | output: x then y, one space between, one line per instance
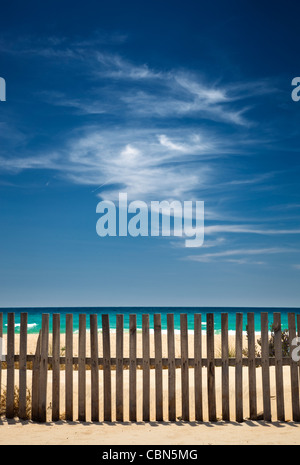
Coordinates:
45 365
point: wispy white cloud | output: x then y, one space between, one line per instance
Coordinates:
206 245
143 162
253 180
248 229
244 261
134 161
53 47
114 66
139 87
81 105
285 207
226 254
17 164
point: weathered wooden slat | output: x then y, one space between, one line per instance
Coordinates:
146 367
211 390
171 368
286 361
278 367
94 368
55 366
198 367
298 334
251 367
239 368
43 368
10 365
23 367
35 380
158 368
184 367
106 368
1 350
119 367
265 366
225 367
69 367
132 367
82 368
293 369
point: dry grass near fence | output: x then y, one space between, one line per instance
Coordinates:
16 403
231 351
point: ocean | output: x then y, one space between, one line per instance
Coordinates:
35 316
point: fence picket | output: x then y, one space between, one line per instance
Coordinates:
132 367
69 367
106 368
198 367
23 366
278 367
1 349
82 368
239 368
211 390
184 367
294 370
158 368
43 368
94 368
265 366
298 335
119 367
171 368
251 366
10 365
55 366
225 367
146 367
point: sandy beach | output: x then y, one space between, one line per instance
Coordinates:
149 434
249 432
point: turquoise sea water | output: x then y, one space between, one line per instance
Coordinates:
35 316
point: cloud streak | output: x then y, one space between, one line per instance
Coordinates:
138 87
248 229
226 254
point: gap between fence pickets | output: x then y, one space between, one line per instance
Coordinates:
41 362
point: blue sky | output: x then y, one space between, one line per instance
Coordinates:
162 100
